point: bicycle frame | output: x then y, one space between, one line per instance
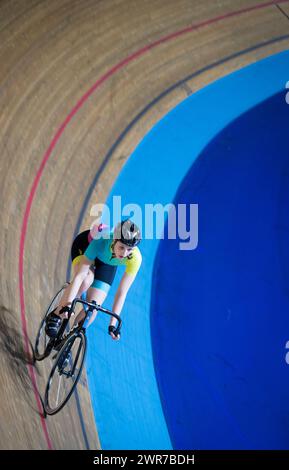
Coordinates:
64 344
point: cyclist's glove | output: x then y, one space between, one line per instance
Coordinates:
115 331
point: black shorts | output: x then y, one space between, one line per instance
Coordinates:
103 273
79 245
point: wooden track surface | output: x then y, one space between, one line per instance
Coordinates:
51 53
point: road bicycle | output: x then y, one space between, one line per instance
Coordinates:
68 349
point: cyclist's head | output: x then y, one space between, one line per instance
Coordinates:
127 234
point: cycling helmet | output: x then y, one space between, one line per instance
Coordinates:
128 233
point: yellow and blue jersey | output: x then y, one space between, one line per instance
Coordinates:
102 248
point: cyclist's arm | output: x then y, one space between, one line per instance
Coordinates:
73 288
132 267
120 296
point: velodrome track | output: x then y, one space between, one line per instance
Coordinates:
74 75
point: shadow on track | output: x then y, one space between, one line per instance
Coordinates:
18 360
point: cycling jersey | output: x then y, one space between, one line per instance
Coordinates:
102 248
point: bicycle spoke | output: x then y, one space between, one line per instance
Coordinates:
59 383
41 348
65 373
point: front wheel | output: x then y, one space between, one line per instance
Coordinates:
65 373
43 344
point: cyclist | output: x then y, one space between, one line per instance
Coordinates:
95 261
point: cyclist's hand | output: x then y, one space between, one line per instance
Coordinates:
114 332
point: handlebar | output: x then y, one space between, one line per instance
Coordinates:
94 306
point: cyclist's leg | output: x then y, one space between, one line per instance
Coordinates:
87 281
97 292
78 247
103 277
84 286
99 296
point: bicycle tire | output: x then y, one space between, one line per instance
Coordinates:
40 355
67 346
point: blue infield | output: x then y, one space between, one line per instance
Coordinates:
202 359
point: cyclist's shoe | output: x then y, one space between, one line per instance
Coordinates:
53 323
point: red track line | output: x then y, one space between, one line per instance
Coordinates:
22 305
52 145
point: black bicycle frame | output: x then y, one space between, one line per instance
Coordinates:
91 306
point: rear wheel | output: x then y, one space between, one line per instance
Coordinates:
43 344
65 373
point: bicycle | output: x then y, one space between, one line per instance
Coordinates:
70 350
